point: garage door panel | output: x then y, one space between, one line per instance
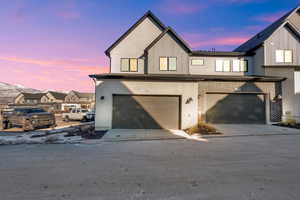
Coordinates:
146 112
236 108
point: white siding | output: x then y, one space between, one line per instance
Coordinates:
189 112
210 65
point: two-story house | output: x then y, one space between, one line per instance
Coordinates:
157 81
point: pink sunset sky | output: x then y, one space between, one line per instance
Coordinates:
56 44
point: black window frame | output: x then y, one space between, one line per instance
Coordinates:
129 68
168 63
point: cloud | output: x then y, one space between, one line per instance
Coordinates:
68 14
269 18
221 41
215 41
177 7
66 65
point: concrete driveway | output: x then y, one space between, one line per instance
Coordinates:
253 130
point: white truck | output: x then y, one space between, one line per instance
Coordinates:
79 114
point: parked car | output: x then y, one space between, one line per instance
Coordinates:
79 114
28 119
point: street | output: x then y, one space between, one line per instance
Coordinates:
237 168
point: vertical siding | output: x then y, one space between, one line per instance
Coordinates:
259 61
288 88
134 44
295 19
282 39
167 46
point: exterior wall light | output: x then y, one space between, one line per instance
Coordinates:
189 100
102 98
277 97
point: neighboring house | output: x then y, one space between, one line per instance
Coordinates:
5 101
76 99
277 50
54 97
29 98
157 81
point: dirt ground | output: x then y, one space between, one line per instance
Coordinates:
59 122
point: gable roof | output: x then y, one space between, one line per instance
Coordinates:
58 95
262 36
174 34
32 95
84 94
219 53
146 15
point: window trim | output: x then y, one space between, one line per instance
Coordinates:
197 59
284 50
129 67
168 63
230 65
240 66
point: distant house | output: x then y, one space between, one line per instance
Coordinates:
54 97
75 96
5 101
29 98
79 99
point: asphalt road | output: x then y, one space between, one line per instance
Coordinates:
239 168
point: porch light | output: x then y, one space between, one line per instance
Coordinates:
189 100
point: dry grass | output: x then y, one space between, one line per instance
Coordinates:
203 128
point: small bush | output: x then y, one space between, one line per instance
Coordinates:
202 128
289 122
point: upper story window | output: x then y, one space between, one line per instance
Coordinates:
197 62
284 56
167 63
223 66
129 65
240 65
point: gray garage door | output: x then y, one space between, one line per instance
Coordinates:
146 112
236 108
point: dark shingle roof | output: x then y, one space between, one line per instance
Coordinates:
58 95
6 100
33 95
218 53
84 95
187 77
259 38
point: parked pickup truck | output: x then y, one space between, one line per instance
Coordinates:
28 119
79 114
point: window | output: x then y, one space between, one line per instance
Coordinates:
197 62
297 82
239 65
223 66
284 56
129 65
167 63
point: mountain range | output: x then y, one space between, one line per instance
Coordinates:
9 91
